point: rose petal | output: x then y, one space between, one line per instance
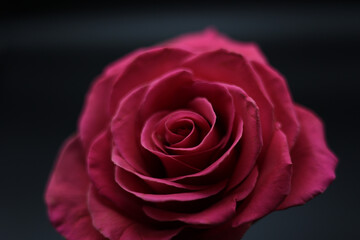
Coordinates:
101 171
96 112
218 213
251 141
314 163
126 124
125 132
145 68
207 142
218 169
159 129
114 225
157 184
175 98
247 151
231 68
198 128
273 184
66 194
277 88
203 107
131 184
164 93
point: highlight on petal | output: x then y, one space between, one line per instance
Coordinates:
66 194
314 164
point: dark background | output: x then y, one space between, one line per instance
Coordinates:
50 53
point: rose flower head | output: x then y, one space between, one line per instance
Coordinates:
195 138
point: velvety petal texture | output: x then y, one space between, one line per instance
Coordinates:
196 138
314 164
66 194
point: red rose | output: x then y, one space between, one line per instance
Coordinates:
196 138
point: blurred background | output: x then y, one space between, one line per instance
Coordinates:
50 53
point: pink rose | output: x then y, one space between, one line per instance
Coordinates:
195 138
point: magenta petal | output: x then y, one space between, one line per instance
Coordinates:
66 194
125 129
314 163
102 174
279 93
251 141
96 112
135 186
180 128
234 69
209 139
156 184
115 225
218 168
202 106
197 128
127 123
153 133
216 140
175 167
273 184
174 91
218 213
146 67
164 93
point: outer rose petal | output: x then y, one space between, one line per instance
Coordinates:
314 163
273 183
210 40
96 113
116 226
66 194
101 171
279 93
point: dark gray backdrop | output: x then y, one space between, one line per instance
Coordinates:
50 54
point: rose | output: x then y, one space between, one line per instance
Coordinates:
196 138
